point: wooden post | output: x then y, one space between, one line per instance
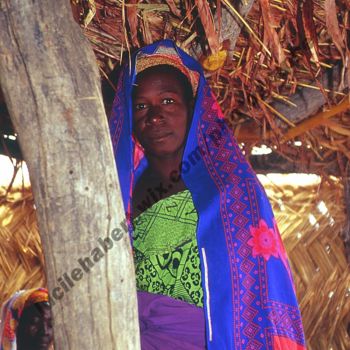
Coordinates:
50 81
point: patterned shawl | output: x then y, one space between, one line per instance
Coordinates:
249 298
11 312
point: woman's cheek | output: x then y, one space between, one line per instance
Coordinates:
33 330
138 127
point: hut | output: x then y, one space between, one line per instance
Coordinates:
280 72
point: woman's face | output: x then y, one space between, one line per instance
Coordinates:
35 328
161 112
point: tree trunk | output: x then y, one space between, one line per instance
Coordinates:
50 81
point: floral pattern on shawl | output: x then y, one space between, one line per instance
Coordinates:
263 241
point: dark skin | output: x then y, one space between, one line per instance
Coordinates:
34 331
162 112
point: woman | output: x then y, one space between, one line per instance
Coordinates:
205 241
26 321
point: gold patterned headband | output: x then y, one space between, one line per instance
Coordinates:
166 55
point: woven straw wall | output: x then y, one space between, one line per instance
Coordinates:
311 219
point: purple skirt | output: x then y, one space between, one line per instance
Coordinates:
170 324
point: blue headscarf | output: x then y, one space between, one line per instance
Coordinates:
249 298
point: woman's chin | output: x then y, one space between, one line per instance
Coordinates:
163 150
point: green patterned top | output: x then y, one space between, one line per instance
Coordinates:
165 249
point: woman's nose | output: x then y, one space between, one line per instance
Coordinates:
47 329
154 115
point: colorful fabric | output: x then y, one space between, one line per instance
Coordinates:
249 298
168 264
167 323
11 312
169 56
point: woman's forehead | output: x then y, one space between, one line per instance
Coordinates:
159 81
37 309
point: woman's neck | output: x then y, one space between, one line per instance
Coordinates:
162 168
158 182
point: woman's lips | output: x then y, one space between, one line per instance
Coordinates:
44 341
159 138
43 345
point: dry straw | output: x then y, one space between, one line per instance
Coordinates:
21 258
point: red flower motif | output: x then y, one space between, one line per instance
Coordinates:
263 241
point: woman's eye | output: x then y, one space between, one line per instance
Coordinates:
33 328
168 101
36 320
140 106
